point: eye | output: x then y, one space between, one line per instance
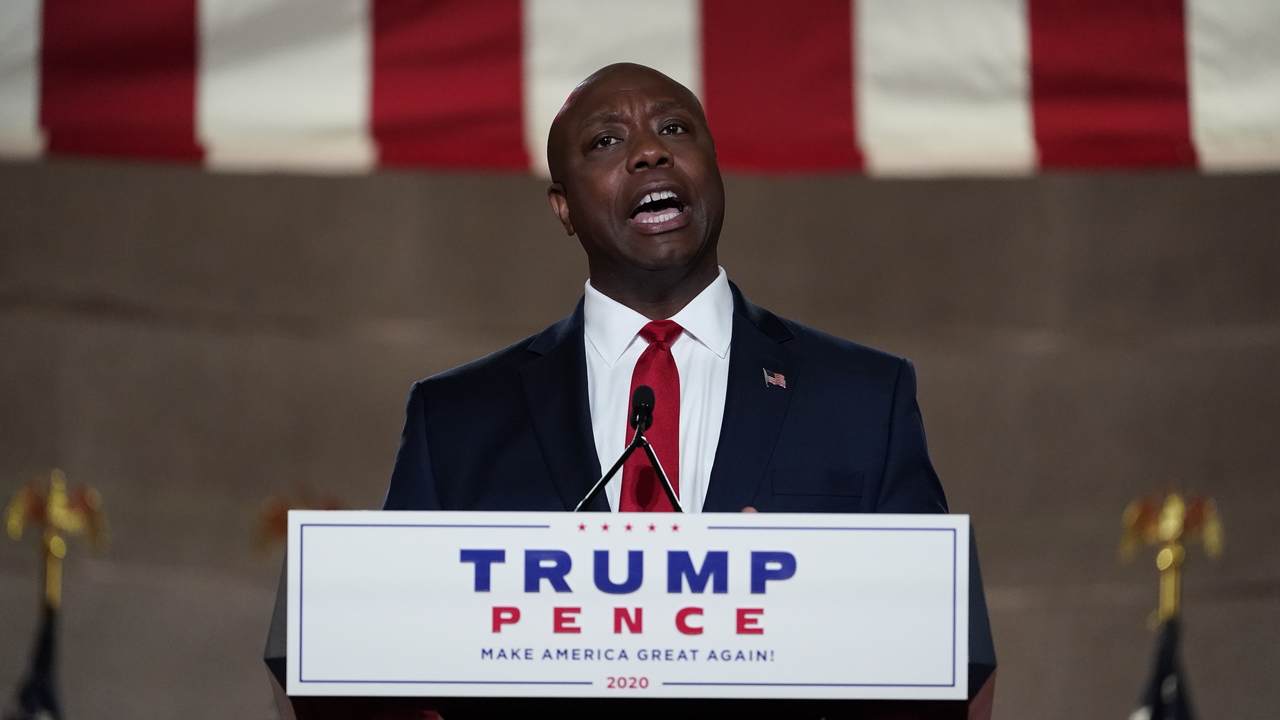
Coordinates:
605 141
674 127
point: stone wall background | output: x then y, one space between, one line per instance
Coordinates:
192 343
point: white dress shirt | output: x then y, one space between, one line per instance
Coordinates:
613 345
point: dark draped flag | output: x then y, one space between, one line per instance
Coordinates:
1165 696
37 697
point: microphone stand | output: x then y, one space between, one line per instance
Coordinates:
638 441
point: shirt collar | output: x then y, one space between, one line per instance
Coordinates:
610 326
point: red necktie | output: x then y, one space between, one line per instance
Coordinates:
641 489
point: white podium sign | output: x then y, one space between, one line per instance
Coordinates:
471 604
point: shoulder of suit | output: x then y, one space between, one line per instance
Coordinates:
504 362
815 347
483 369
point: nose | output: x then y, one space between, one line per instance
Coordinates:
648 152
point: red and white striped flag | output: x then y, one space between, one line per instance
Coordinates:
889 87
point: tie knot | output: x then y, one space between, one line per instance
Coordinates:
661 332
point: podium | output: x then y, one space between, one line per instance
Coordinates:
480 614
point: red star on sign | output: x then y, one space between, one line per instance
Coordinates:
628 527
605 527
652 527
675 528
582 526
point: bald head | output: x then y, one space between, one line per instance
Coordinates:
609 80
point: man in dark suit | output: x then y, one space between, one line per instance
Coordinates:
752 411
807 422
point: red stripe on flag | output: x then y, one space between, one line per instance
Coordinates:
778 84
119 78
1109 83
447 85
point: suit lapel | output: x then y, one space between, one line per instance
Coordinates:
555 385
753 411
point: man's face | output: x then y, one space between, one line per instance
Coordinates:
636 176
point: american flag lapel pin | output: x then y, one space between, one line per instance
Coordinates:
775 379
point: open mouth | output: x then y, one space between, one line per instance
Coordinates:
657 207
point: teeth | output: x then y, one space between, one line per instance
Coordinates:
665 216
656 196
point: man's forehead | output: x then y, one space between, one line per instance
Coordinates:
616 88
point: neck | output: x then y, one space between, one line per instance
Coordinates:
659 294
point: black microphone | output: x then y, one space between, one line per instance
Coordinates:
641 419
642 408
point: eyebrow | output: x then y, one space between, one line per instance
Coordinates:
602 117
613 116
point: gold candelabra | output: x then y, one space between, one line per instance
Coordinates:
61 513
1170 522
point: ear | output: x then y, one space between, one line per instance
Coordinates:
560 205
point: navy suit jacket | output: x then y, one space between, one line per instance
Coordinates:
512 431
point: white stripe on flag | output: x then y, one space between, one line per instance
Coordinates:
284 85
566 40
20 133
943 87
1234 54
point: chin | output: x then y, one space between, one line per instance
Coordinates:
667 258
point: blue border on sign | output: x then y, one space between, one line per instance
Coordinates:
511 526
302 534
